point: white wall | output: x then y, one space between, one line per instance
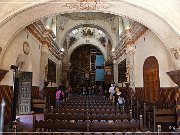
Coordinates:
14 50
150 45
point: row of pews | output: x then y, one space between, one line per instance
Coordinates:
88 114
154 115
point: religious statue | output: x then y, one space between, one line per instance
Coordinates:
88 32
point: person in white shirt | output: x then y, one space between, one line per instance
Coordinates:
111 91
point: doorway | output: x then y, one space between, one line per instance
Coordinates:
151 80
87 66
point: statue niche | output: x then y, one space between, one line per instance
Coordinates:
72 40
88 32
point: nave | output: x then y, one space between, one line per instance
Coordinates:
90 44
87 114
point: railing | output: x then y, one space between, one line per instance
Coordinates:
2 111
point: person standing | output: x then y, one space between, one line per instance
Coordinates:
118 99
69 91
111 91
59 97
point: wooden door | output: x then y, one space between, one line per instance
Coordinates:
24 95
151 80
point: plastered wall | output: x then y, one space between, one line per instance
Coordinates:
150 45
32 61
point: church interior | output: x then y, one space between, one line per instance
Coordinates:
63 63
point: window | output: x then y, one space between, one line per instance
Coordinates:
75 31
100 32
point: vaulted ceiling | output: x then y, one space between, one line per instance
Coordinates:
162 17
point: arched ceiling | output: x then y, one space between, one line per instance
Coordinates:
168 10
75 26
92 42
161 17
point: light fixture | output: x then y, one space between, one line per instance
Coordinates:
127 28
100 32
62 49
75 31
112 49
47 27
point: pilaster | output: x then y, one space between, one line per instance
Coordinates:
115 71
43 67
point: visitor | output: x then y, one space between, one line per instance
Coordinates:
111 92
69 91
118 99
59 96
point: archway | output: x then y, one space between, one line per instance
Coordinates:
87 64
13 23
151 79
92 42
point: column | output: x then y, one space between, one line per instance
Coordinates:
43 68
130 66
59 72
126 22
121 25
57 30
65 69
49 22
115 71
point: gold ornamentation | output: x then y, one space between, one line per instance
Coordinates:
88 5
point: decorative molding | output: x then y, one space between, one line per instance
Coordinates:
45 37
88 5
87 16
128 38
175 52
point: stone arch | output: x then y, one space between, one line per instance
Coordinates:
12 23
82 42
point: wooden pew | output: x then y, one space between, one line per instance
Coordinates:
39 103
161 116
153 116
